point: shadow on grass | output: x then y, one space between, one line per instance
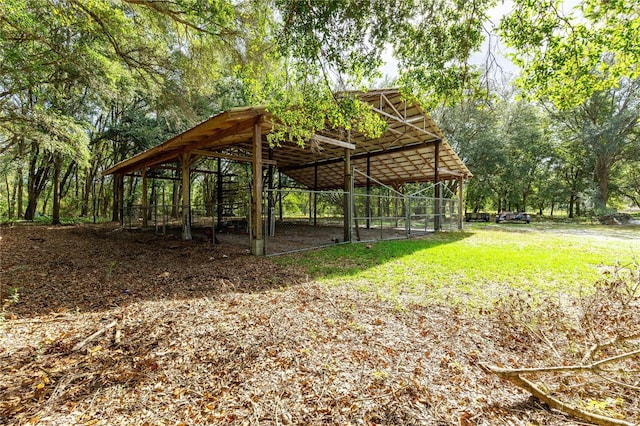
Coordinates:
351 259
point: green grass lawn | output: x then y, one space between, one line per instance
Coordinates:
477 266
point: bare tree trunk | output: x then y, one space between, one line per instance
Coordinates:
602 179
104 198
19 179
37 181
10 198
84 196
32 204
46 201
57 165
572 200
115 211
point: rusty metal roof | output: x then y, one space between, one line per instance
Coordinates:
404 153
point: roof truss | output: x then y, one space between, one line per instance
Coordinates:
405 152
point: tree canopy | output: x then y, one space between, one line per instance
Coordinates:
84 84
567 54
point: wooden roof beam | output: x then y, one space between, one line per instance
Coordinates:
149 158
398 132
429 165
192 170
399 119
324 139
334 142
393 107
238 158
373 154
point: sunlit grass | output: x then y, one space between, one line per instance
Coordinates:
473 267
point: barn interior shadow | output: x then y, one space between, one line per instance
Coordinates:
92 268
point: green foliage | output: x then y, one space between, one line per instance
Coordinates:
629 182
472 129
527 155
306 113
568 55
337 45
506 145
86 83
431 40
602 133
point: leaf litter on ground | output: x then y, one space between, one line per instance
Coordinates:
226 338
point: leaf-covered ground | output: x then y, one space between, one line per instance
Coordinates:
194 334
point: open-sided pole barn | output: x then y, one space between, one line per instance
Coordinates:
411 150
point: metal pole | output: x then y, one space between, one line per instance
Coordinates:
407 216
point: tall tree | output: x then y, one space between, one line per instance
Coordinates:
574 168
472 129
68 61
528 148
605 130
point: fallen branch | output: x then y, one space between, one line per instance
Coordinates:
595 366
513 376
95 335
619 383
599 346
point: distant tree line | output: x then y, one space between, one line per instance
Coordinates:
86 84
529 156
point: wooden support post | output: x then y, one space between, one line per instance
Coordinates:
257 241
367 207
437 224
186 196
460 199
271 200
280 195
347 195
219 194
145 199
120 195
315 194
